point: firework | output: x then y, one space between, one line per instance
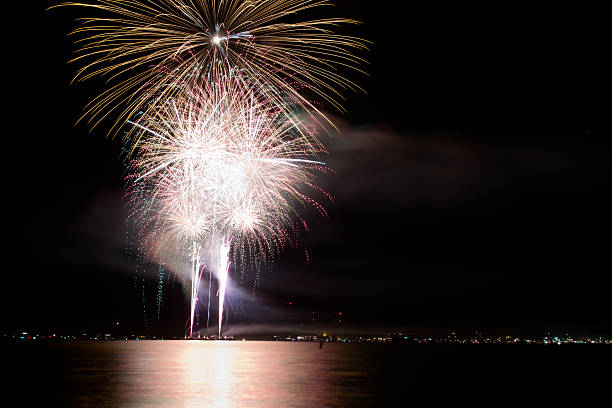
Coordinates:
223 167
222 101
145 48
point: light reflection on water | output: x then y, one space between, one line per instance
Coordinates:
206 374
196 374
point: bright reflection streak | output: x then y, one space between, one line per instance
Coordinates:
228 374
211 372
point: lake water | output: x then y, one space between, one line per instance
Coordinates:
208 374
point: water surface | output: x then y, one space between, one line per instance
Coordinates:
207 374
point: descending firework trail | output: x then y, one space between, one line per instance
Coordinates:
224 169
196 277
145 48
222 271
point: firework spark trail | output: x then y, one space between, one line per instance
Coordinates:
197 268
228 168
144 49
222 271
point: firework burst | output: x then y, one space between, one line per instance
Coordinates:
145 48
223 167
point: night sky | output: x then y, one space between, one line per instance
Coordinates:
471 187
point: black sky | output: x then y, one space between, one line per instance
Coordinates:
471 188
